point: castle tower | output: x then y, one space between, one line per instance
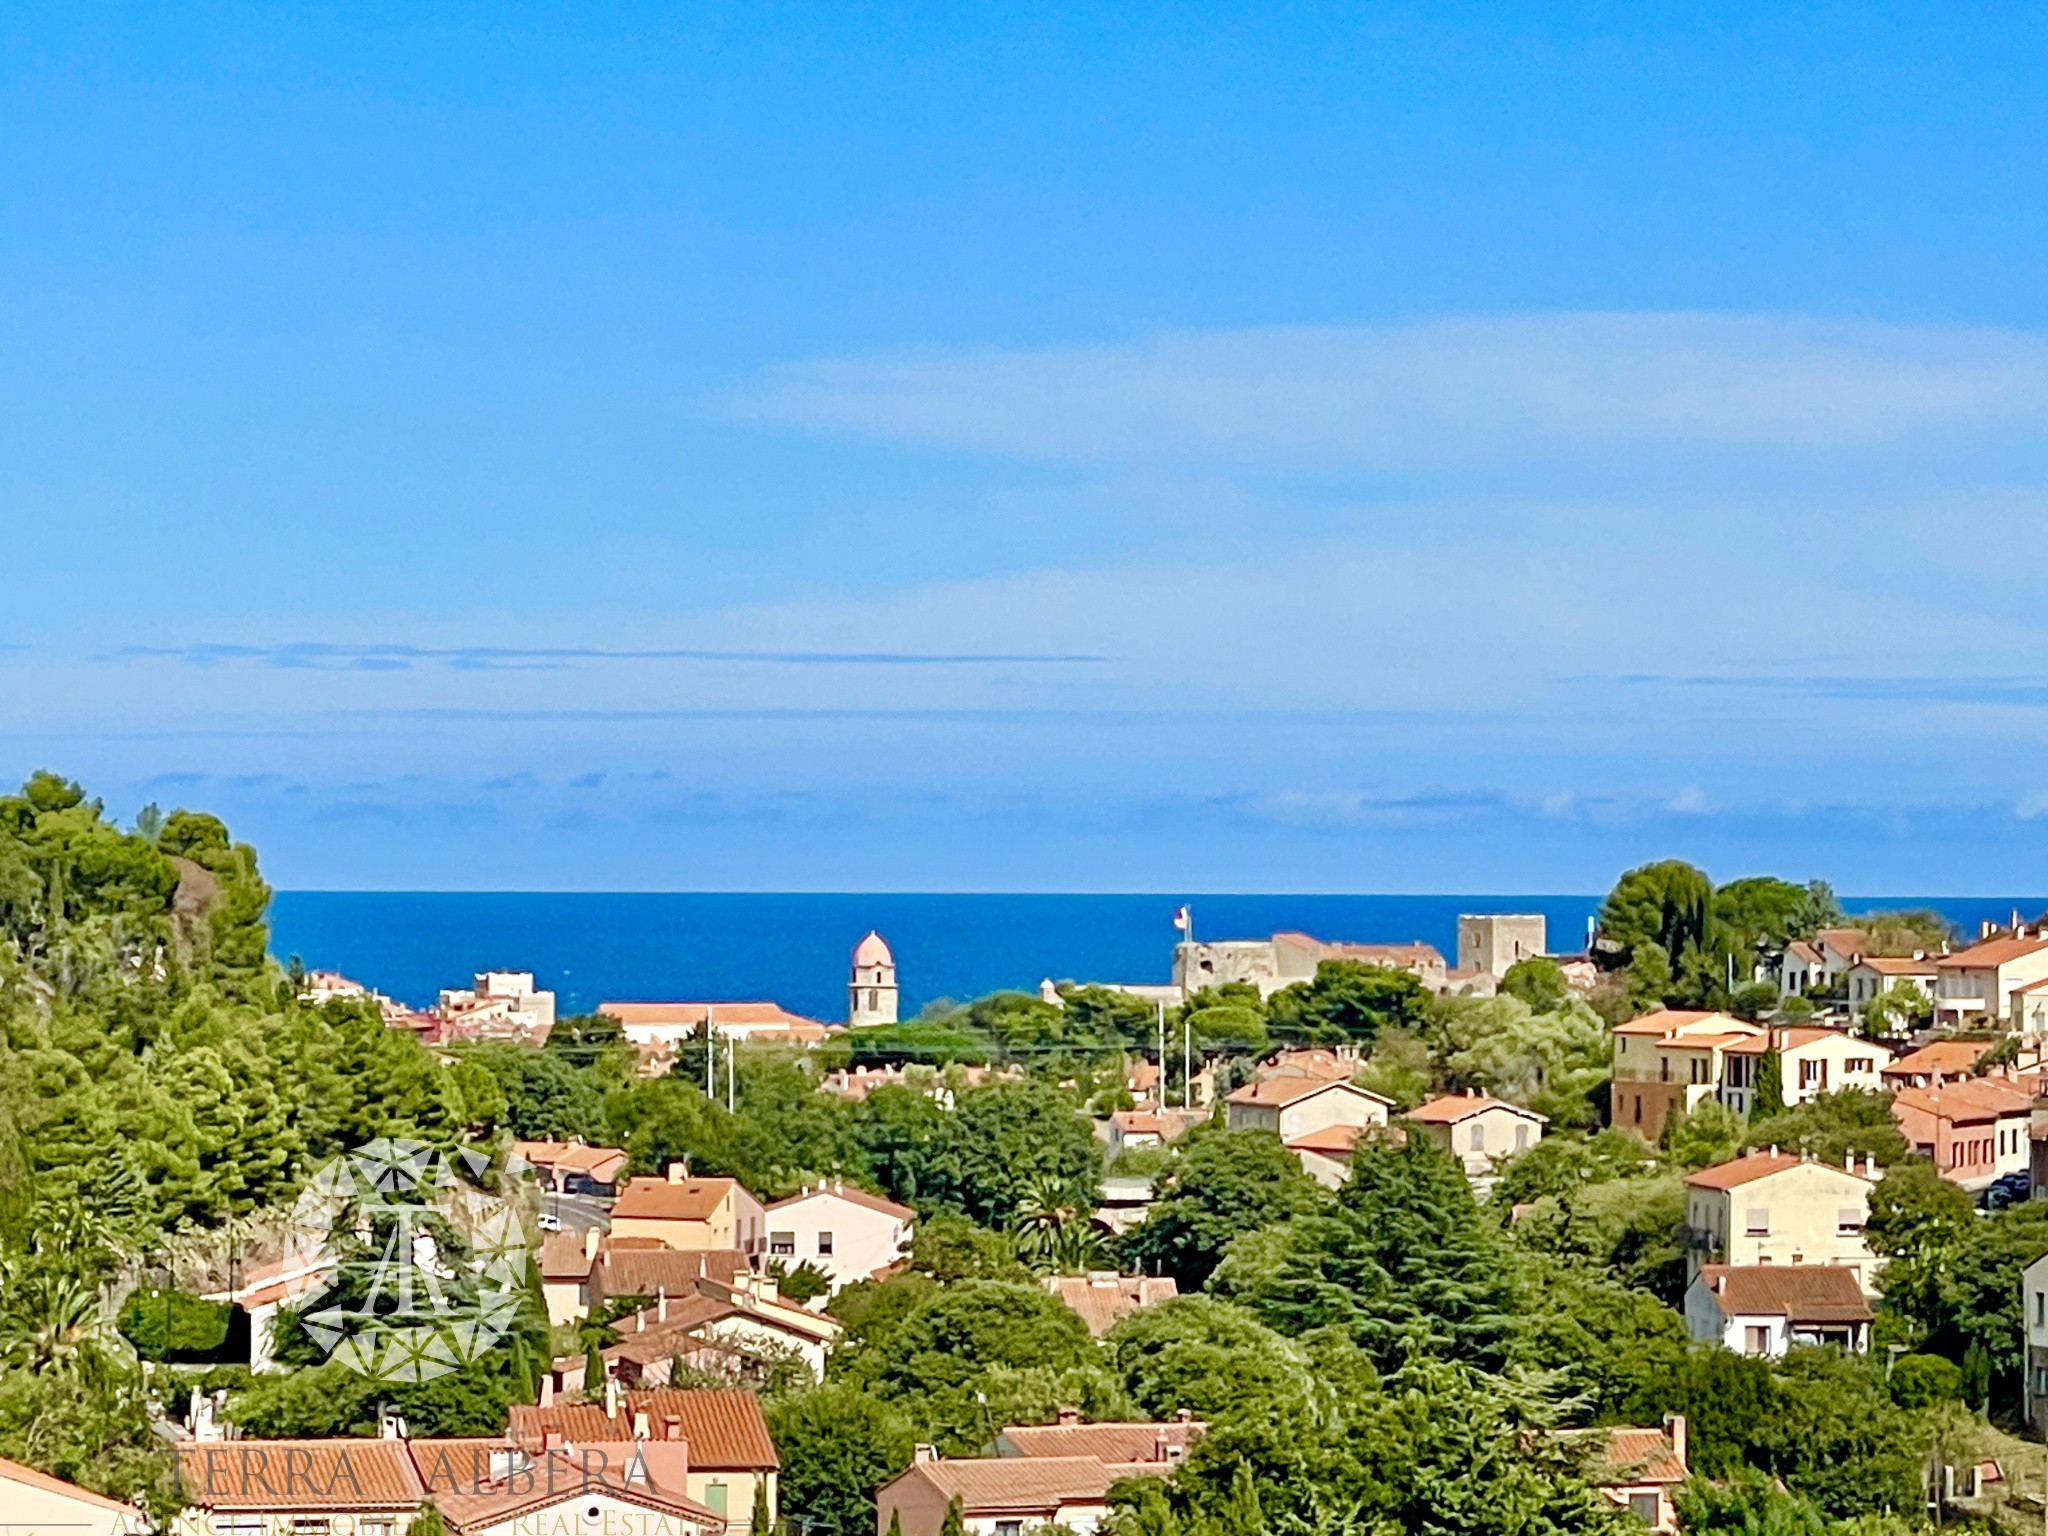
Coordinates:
871 995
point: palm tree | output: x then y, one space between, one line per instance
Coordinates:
1054 1228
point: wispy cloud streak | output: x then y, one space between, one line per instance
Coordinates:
322 656
1443 393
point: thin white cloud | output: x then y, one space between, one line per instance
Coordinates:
1441 393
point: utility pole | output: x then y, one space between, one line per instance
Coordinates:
710 1056
1160 1004
730 1046
1187 1053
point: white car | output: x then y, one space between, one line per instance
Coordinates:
550 1222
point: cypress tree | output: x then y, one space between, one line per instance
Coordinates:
593 1370
955 1523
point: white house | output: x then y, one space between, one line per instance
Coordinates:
1766 1309
845 1232
1776 1208
1874 975
2034 1305
1477 1129
33 1503
1294 1106
1976 985
1811 1061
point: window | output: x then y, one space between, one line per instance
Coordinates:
1848 1220
1856 1064
1476 1138
2041 1309
782 1242
1009 1528
1521 1136
714 1496
1756 1341
2041 1381
1644 1507
237 1525
1756 1221
824 1242
309 1525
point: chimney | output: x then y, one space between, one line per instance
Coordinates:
924 1455
590 1243
639 1423
1848 1162
1774 1150
671 1427
1183 1415
661 1305
550 1439
1674 1430
547 1389
611 1397
1068 1415
677 1172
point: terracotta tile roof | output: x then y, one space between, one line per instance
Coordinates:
853 1196
1799 1293
1274 1092
1944 1056
1899 965
1099 1300
1753 1166
1138 1122
1994 951
1022 1485
660 1199
1970 1099
652 1475
1640 1456
1844 941
1310 1061
337 1475
1453 1107
1666 1021
29 1477
1331 1140
647 1267
1799 949
563 1257
724 1429
600 1163
646 1336
1118 1443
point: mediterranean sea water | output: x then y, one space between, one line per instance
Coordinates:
793 949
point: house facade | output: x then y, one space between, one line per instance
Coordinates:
2034 1309
1291 1107
1976 985
1003 1495
1479 1130
1767 1309
1874 975
1811 1061
845 1233
34 1503
1974 1130
1668 1061
686 1212
1640 1469
1778 1208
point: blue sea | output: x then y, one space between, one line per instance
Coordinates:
793 949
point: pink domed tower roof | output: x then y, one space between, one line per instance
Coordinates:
872 950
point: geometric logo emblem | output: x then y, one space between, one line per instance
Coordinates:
426 1268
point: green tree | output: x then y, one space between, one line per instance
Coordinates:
1666 904
1348 1000
954 1524
1221 1185
1770 1086
1850 1122
837 1446
1538 981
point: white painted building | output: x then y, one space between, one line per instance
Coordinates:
845 1232
1766 1309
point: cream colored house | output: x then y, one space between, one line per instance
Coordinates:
2034 1307
1292 1107
1874 975
1777 1208
686 1212
1767 1309
1811 1061
1477 1129
1976 985
34 1503
730 1451
842 1231
1668 1061
1004 1495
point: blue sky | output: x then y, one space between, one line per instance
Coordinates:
1319 447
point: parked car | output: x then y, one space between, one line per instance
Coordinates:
550 1222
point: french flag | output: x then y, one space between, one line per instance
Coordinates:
1180 919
